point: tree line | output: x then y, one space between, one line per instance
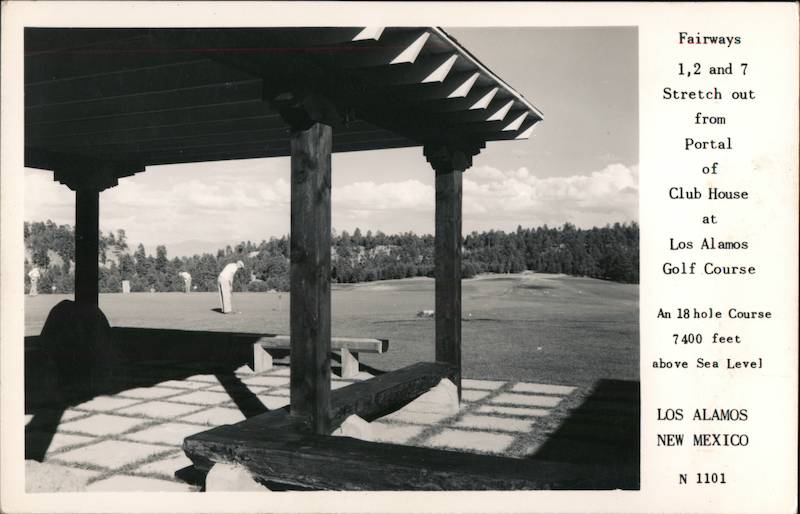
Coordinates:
609 253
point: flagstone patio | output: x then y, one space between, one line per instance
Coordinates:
131 440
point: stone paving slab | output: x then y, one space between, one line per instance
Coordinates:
395 433
182 384
202 398
526 400
525 387
418 418
48 477
122 483
267 380
166 467
138 433
159 409
168 433
111 454
106 403
149 393
468 395
56 441
489 385
101 424
215 416
471 440
209 379
495 423
277 392
512 411
272 402
71 414
67 415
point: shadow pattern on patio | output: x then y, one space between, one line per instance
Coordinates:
129 437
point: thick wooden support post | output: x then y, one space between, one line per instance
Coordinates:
87 241
310 300
449 165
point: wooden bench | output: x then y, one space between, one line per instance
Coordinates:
277 447
348 348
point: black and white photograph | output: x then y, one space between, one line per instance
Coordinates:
331 258
389 257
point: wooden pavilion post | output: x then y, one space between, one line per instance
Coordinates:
310 300
448 164
87 237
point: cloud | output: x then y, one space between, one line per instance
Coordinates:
389 196
494 198
169 207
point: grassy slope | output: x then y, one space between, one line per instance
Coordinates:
535 327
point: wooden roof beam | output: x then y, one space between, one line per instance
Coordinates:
456 85
78 171
426 70
442 35
495 111
390 50
513 123
478 98
524 132
368 33
276 148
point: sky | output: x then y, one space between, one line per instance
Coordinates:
579 166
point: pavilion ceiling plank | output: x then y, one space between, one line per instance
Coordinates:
266 40
162 141
168 136
150 102
41 41
276 144
61 67
162 77
278 148
189 94
231 154
377 143
138 122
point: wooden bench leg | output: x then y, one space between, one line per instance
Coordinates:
262 360
349 363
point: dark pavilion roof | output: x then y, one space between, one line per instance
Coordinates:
122 99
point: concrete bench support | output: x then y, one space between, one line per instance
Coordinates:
348 347
349 363
262 360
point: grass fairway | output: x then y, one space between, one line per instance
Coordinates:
530 327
